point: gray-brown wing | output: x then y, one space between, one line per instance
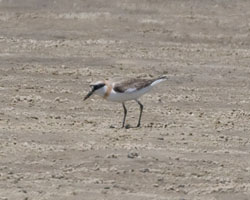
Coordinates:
132 83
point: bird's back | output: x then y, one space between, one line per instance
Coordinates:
131 84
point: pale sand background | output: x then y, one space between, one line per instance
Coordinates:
194 141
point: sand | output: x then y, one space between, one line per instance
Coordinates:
194 140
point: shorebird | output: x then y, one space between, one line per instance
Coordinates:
124 91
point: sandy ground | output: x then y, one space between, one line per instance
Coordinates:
194 140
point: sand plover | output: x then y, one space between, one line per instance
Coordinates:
124 91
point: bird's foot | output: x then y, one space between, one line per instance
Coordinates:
127 126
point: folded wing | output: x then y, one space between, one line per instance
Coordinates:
132 85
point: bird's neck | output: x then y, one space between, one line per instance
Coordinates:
108 89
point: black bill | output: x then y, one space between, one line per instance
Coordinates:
88 95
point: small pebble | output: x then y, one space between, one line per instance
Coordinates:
111 126
112 156
145 170
133 155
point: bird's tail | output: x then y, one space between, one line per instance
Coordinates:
158 80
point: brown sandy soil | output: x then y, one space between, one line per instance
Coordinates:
194 140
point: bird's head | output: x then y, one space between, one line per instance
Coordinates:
97 87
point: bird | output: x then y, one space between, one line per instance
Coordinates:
123 91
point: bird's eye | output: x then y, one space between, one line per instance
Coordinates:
96 87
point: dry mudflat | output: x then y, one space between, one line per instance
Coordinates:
194 140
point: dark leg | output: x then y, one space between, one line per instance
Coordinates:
141 109
125 114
